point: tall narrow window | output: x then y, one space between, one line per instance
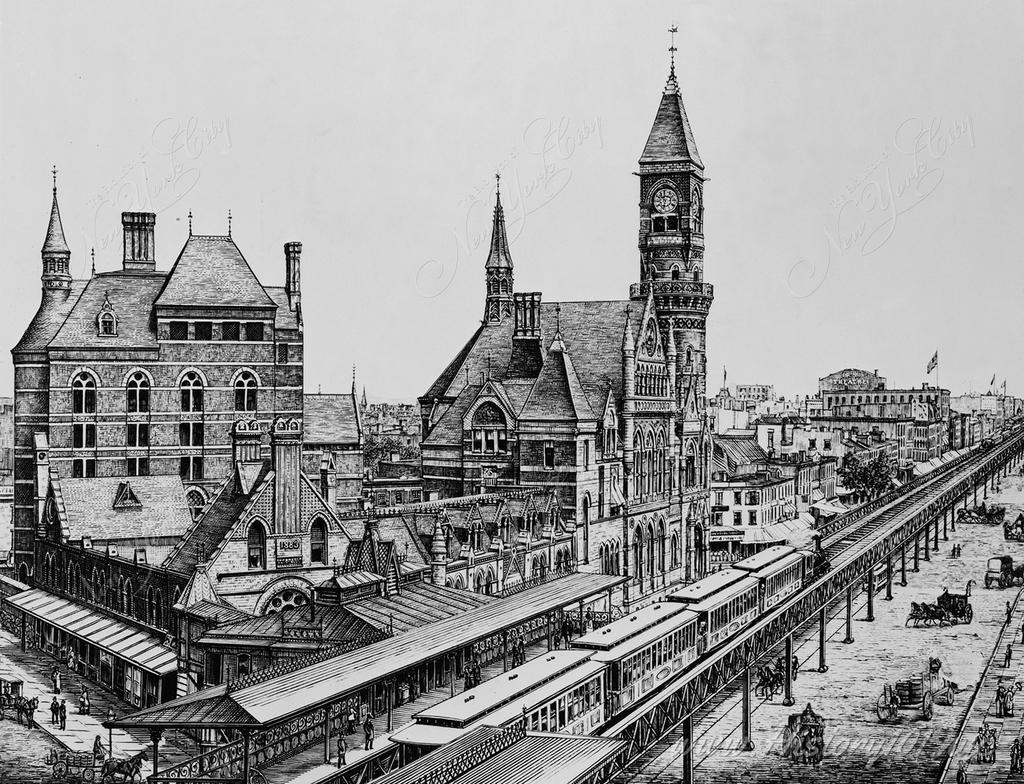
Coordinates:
257 547
549 455
83 394
245 391
191 392
138 394
318 542
196 502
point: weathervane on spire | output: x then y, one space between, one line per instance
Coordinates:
54 178
229 223
672 50
190 223
93 254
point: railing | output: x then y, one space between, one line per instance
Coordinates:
680 287
547 577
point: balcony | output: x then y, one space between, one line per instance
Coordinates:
674 288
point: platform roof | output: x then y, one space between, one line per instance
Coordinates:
631 625
292 693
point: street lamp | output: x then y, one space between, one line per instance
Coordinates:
111 716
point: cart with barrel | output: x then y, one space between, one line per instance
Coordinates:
920 693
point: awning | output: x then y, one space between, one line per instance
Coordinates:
794 532
417 734
114 636
829 508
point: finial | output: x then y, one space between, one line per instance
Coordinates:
93 253
190 223
672 51
558 317
229 223
54 178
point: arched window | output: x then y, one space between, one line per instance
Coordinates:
257 546
158 609
150 605
138 393
661 547
245 392
638 553
196 502
675 272
128 598
651 544
318 542
586 529
675 551
478 582
285 600
101 588
490 430
689 355
107 324
191 392
697 212
638 464
83 394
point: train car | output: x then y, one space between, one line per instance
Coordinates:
779 570
640 664
726 601
618 632
561 691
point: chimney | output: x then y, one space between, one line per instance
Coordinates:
286 451
292 255
245 441
139 245
527 356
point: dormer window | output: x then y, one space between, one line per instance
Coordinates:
106 321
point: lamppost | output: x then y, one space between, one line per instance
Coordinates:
111 716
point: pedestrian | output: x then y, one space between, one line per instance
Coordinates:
352 721
71 660
63 715
1008 657
98 752
54 711
1009 614
84 703
342 750
796 666
53 679
368 732
1000 701
590 620
56 681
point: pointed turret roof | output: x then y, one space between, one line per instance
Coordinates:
55 242
499 256
671 138
558 392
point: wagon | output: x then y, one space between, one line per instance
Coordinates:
1001 573
74 767
920 693
9 692
1014 531
803 739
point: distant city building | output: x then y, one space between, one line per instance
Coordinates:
755 393
395 483
333 442
850 379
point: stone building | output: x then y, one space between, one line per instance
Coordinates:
603 402
142 372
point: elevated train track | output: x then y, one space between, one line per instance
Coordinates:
890 527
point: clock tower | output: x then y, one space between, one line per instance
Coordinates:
671 239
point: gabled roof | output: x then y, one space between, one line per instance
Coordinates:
330 419
558 393
212 272
671 138
91 507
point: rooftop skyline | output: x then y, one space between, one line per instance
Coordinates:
859 208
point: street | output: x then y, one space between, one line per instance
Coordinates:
858 745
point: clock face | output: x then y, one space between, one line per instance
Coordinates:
665 200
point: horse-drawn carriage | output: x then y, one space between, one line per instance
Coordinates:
1014 531
982 515
78 767
1001 573
921 693
10 691
803 739
949 609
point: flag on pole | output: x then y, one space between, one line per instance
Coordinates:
992 383
933 362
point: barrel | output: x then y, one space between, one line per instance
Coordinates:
910 692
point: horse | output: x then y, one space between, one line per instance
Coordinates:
769 683
129 769
26 708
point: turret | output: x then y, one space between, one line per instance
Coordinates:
438 555
56 254
499 267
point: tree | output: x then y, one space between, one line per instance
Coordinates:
871 477
377 448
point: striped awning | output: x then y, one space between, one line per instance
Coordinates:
114 636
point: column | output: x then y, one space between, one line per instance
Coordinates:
945 520
822 639
24 632
788 699
935 544
504 651
582 629
917 552
155 735
746 744
888 576
246 752
390 694
327 734
687 750
903 564
547 619
849 615
451 672
927 543
871 594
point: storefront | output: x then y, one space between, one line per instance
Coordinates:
127 661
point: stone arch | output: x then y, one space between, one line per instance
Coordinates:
251 371
186 371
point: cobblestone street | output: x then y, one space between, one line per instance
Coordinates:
858 746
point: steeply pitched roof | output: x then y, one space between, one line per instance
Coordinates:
49 318
131 296
738 451
212 272
499 257
671 138
330 419
557 393
89 507
55 242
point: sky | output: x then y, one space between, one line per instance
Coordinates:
864 164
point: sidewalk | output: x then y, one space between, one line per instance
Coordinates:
983 710
33 667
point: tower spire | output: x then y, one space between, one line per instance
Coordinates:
56 254
498 270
